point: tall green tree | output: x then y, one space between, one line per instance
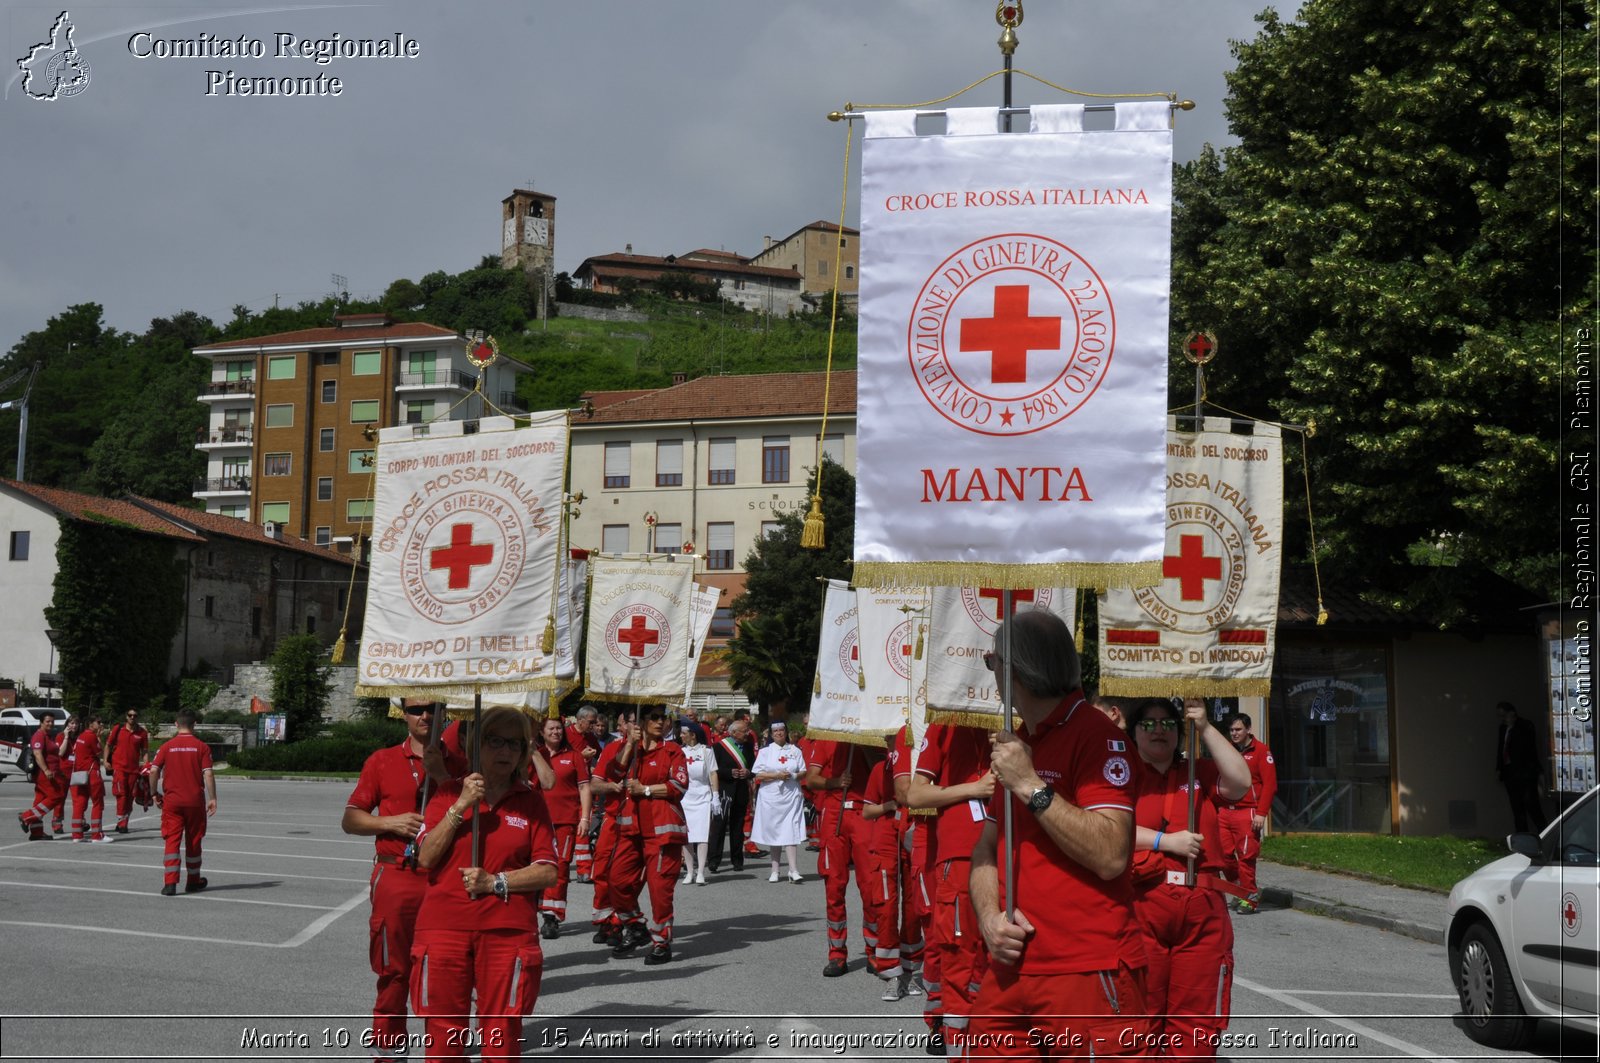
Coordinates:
1390 252
300 685
774 654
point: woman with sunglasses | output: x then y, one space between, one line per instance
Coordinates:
650 837
564 776
1188 938
476 933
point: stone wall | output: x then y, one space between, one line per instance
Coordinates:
256 679
600 313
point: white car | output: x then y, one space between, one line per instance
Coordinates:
16 732
1524 940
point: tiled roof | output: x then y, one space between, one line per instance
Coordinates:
597 399
1491 605
718 397
335 337
113 511
641 265
710 254
234 528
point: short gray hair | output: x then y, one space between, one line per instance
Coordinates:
587 712
1045 662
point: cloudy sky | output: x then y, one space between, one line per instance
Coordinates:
665 124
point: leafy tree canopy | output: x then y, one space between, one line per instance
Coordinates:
300 685
1388 253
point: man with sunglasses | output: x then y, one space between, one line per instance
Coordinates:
1066 966
127 753
387 804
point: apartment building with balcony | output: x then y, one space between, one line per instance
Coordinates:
293 416
711 462
810 251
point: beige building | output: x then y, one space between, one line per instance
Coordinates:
810 251
293 416
706 466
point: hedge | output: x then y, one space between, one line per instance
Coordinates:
345 748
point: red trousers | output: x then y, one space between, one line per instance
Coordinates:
122 787
1089 1015
660 863
883 880
1240 845
582 857
605 851
962 956
182 827
93 794
1189 983
396 894
501 968
554 899
47 794
846 841
923 888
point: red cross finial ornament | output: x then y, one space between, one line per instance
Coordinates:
1008 13
1200 347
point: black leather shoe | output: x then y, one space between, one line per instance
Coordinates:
169 890
658 954
834 969
602 936
194 885
551 928
936 1043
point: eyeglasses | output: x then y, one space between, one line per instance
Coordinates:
1166 723
417 710
497 743
133 715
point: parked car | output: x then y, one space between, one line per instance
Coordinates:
16 732
1524 939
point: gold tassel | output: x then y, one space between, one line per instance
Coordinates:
811 535
1322 614
547 645
816 682
338 648
861 678
917 653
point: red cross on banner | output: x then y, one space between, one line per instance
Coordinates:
994 593
637 635
461 556
1010 334
1191 567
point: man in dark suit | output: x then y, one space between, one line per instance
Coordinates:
735 752
1519 766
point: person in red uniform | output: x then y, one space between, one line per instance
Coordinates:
1066 966
91 791
567 798
476 933
656 776
583 735
837 780
1187 935
127 753
611 805
69 749
922 957
387 804
952 775
1241 822
181 775
888 826
49 780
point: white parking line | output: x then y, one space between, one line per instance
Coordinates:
211 898
211 851
1366 993
157 868
1406 1047
317 926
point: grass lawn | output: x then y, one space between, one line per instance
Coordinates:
1435 863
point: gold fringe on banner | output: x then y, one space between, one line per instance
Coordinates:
988 721
912 574
855 738
449 691
590 693
1183 686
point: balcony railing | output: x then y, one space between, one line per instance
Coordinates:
215 388
222 484
439 378
509 401
223 436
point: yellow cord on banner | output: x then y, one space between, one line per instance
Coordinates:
1169 96
811 536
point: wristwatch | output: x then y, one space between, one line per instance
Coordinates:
1040 799
501 890
647 791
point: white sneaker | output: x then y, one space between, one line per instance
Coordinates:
772 877
912 983
795 876
700 877
892 990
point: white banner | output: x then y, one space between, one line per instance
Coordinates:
1210 626
572 595
836 697
464 537
960 688
893 625
639 628
702 607
1013 354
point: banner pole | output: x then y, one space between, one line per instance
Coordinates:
1010 17
1194 752
1005 724
477 762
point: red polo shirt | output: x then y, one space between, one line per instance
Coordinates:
182 762
514 834
1163 804
832 760
563 800
1083 923
956 755
391 785
127 745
